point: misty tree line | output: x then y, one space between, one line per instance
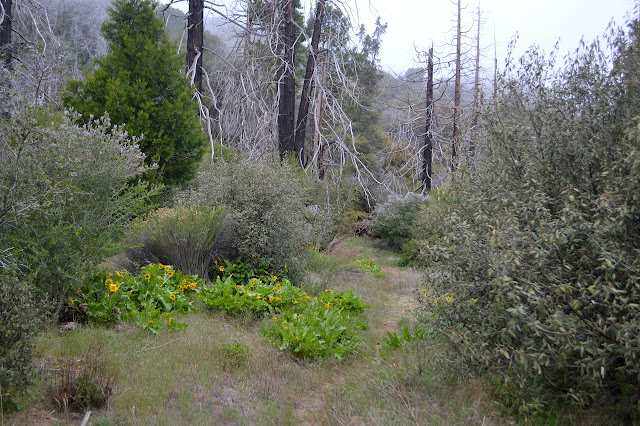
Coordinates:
281 84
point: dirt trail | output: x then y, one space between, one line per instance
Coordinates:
397 289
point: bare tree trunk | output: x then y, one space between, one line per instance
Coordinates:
427 151
195 41
287 102
318 143
495 75
476 89
5 31
305 97
455 142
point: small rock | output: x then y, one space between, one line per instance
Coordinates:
66 327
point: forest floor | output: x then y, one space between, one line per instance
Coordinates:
221 370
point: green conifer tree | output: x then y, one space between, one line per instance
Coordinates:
140 84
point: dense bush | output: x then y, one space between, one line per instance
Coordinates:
265 209
395 218
539 254
19 320
188 237
66 196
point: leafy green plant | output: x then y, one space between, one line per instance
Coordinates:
235 354
246 270
369 264
150 299
19 321
255 296
187 237
320 327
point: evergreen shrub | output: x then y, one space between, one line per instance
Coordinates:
538 256
265 206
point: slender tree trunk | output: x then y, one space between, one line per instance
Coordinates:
495 75
287 101
318 143
476 89
427 151
455 142
6 52
307 85
195 41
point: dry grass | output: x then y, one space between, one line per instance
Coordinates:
196 377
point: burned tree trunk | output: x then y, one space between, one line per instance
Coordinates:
455 142
427 151
287 85
307 85
195 41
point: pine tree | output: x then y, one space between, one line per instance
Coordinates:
140 84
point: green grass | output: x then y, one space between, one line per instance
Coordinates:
221 367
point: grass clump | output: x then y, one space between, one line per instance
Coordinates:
187 237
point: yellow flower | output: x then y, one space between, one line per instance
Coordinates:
424 291
327 305
172 296
192 285
167 267
184 282
71 301
170 319
149 322
215 261
275 277
147 276
221 268
275 319
114 287
315 313
144 304
258 256
234 265
170 273
297 339
108 282
130 292
257 297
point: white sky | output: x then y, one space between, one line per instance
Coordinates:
417 23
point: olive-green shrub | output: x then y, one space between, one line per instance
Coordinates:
265 206
395 218
19 321
536 260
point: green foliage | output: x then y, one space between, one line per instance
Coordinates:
395 341
539 252
67 197
255 296
265 209
188 238
235 354
395 219
150 299
320 327
244 271
19 321
140 84
369 264
347 223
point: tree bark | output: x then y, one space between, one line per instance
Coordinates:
307 85
287 101
195 41
476 89
455 142
5 32
427 151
